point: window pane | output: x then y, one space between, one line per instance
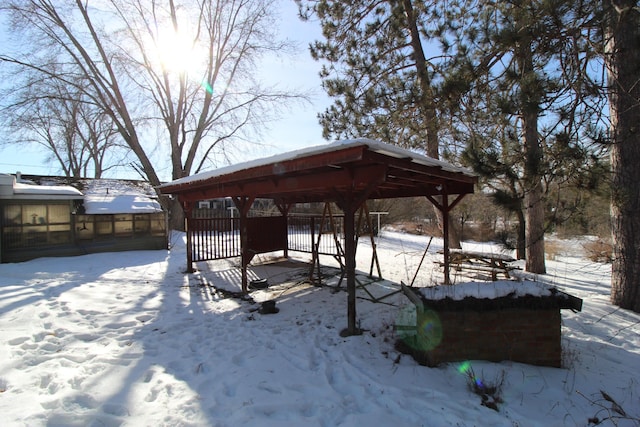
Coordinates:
157 224
142 224
12 237
34 214
84 230
12 215
123 228
35 235
124 224
59 214
59 233
103 225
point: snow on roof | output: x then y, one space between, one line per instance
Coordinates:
376 146
101 196
105 196
28 190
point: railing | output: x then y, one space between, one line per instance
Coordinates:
214 238
307 231
219 238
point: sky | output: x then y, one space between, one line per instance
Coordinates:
297 128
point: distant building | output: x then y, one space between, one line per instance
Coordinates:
225 207
56 216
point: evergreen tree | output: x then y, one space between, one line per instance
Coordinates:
378 72
525 103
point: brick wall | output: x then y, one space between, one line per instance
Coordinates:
524 335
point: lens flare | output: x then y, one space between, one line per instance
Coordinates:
207 87
466 370
420 332
429 330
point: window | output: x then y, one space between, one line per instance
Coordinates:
157 224
34 214
104 225
32 225
119 225
141 224
84 227
123 225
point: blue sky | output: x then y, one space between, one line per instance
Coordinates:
297 128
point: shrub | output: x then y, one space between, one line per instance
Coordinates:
599 251
489 392
552 249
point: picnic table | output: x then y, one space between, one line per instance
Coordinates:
481 262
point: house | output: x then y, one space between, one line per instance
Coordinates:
57 216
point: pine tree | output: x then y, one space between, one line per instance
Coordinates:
524 102
378 73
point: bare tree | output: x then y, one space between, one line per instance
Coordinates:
182 69
77 135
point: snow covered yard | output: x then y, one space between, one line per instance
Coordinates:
129 339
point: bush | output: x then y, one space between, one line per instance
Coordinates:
490 392
599 251
552 249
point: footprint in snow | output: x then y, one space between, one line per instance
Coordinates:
18 340
144 318
116 410
148 376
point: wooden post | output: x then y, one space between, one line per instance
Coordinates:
445 208
243 204
284 210
350 265
445 232
314 254
188 209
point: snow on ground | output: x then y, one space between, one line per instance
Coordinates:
129 339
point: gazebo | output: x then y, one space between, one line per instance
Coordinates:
347 173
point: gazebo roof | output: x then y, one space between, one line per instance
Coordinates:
325 172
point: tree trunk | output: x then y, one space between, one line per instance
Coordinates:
521 239
622 58
428 107
176 213
534 231
534 200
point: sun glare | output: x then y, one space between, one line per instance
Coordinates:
177 52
